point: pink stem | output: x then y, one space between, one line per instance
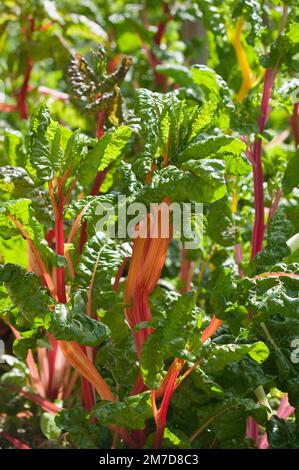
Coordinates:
295 123
258 178
259 207
239 257
59 236
13 440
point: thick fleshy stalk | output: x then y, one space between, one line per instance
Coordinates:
235 39
258 178
147 261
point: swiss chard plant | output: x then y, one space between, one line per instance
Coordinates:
118 332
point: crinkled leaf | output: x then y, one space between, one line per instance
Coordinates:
83 433
28 295
282 434
220 226
203 183
75 327
45 151
279 231
219 356
170 338
228 148
131 413
104 152
100 261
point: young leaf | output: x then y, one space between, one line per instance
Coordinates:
45 151
49 427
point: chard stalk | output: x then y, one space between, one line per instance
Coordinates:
258 177
295 123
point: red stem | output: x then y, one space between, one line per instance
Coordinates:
93 192
119 273
101 115
59 236
50 236
162 413
152 58
88 395
259 207
162 25
274 204
17 444
98 182
258 178
21 99
186 272
295 123
239 257
46 405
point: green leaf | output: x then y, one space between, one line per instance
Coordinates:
100 260
228 148
150 109
220 226
14 148
204 183
221 420
170 338
271 295
175 440
83 27
45 151
15 181
76 151
19 210
203 118
75 327
49 427
28 295
291 176
23 215
276 249
223 297
179 73
18 373
83 433
215 89
118 355
14 251
131 413
104 152
210 173
47 139
219 356
282 434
